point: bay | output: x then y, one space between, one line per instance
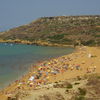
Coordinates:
15 59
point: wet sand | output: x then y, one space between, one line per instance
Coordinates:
85 60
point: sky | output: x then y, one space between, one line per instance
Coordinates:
14 13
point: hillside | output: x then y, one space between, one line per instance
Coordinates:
85 88
80 88
64 30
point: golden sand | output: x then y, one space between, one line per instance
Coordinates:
85 60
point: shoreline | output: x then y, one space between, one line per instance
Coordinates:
37 43
72 59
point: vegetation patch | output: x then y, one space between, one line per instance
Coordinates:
69 86
56 37
76 83
82 91
80 98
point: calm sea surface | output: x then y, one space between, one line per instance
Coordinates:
15 59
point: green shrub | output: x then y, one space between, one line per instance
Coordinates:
69 86
98 77
80 98
59 36
76 83
82 91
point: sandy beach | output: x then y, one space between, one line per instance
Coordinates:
85 60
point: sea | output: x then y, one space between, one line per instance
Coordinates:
16 59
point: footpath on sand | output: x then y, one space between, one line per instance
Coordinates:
84 60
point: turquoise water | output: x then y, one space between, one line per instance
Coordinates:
15 59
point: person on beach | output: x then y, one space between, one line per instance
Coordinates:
77 67
72 68
94 68
89 55
91 69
